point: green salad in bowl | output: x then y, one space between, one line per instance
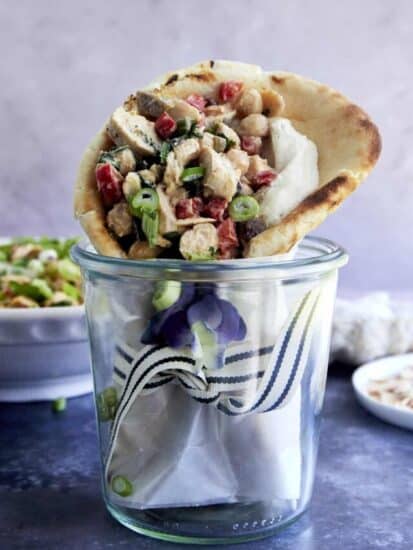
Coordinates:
38 272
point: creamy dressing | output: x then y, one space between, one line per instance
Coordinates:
296 165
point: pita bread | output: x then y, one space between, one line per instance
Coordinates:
347 140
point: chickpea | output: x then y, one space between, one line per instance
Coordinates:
254 125
250 102
273 102
126 159
239 159
131 185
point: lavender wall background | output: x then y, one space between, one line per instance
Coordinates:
66 65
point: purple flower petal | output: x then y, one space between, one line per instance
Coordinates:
176 332
154 330
206 310
232 327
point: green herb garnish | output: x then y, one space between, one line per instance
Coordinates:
192 173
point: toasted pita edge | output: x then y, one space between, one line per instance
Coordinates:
348 145
87 202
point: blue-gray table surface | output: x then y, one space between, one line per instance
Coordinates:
50 489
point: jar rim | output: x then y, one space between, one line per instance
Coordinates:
321 255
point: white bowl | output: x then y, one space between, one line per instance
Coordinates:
44 353
378 370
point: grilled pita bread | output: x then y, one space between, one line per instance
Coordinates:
347 140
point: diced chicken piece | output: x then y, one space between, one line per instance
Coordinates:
249 102
158 171
172 175
219 144
199 243
167 218
119 219
177 195
219 113
140 250
150 105
220 178
244 187
180 109
148 176
239 160
25 252
135 131
228 133
131 185
254 125
257 164
126 160
186 151
273 102
23 302
207 140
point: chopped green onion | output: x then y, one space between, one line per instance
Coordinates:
183 126
164 152
43 288
243 208
59 405
106 404
192 173
68 270
122 486
37 289
71 290
21 262
150 226
166 294
146 201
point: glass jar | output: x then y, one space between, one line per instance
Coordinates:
209 381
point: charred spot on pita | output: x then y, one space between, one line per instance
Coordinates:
171 79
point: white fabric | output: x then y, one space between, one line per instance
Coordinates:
179 452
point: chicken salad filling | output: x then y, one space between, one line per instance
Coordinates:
197 178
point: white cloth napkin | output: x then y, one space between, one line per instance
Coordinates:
177 451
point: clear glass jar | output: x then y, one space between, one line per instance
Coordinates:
208 409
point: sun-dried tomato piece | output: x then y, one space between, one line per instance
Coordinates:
189 208
265 177
197 101
215 208
229 90
109 183
165 125
227 236
251 144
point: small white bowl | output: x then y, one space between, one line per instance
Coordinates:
44 353
378 370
